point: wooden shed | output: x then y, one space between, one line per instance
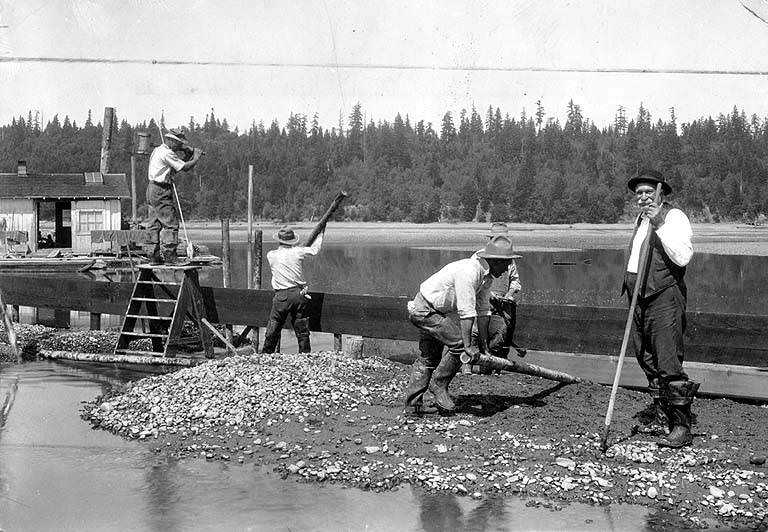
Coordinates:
75 205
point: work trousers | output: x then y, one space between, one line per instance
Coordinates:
657 336
163 218
436 330
289 302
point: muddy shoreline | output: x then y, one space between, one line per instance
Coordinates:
324 418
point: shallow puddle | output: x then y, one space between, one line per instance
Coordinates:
56 473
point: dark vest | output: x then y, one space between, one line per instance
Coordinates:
659 272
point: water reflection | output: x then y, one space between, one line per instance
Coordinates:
56 473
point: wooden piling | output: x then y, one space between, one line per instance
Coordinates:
249 261
106 139
337 342
15 313
226 265
256 275
95 324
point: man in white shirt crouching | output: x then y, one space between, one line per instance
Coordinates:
445 309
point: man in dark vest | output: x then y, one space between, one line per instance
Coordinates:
659 318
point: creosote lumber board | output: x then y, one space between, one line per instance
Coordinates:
714 338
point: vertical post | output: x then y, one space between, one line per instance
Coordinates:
337 345
255 274
226 267
258 237
95 321
106 139
134 220
15 313
249 263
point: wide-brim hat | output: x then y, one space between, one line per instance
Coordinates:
649 176
499 247
178 135
286 235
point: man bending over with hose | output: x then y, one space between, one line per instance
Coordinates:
163 222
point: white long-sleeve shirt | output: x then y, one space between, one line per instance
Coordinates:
675 235
287 264
463 286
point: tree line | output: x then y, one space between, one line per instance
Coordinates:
482 167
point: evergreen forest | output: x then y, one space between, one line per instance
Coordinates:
481 166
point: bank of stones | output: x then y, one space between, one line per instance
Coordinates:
321 417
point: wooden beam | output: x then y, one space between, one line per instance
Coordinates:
717 338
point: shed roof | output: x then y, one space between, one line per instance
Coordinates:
62 186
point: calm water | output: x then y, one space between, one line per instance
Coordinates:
716 283
57 474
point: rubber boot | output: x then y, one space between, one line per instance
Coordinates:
680 396
153 253
441 378
680 420
414 393
301 328
271 337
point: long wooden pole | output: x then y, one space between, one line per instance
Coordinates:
320 226
503 364
641 267
226 264
249 261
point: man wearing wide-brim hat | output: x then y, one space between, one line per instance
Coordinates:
163 219
287 265
445 309
659 317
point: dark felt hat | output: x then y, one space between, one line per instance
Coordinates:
498 247
651 177
286 235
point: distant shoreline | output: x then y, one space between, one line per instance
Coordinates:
724 239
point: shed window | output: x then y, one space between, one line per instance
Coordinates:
94 177
90 221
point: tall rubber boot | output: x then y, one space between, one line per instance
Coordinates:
153 253
680 396
301 328
421 374
271 337
444 372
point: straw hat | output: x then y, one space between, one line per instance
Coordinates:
499 247
287 236
177 135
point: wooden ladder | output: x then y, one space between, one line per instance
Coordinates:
163 297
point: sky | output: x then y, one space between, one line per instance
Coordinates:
257 60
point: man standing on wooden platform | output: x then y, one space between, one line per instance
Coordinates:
164 163
291 298
444 310
659 317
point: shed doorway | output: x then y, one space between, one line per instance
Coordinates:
54 224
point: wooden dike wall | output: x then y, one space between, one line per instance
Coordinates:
727 352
